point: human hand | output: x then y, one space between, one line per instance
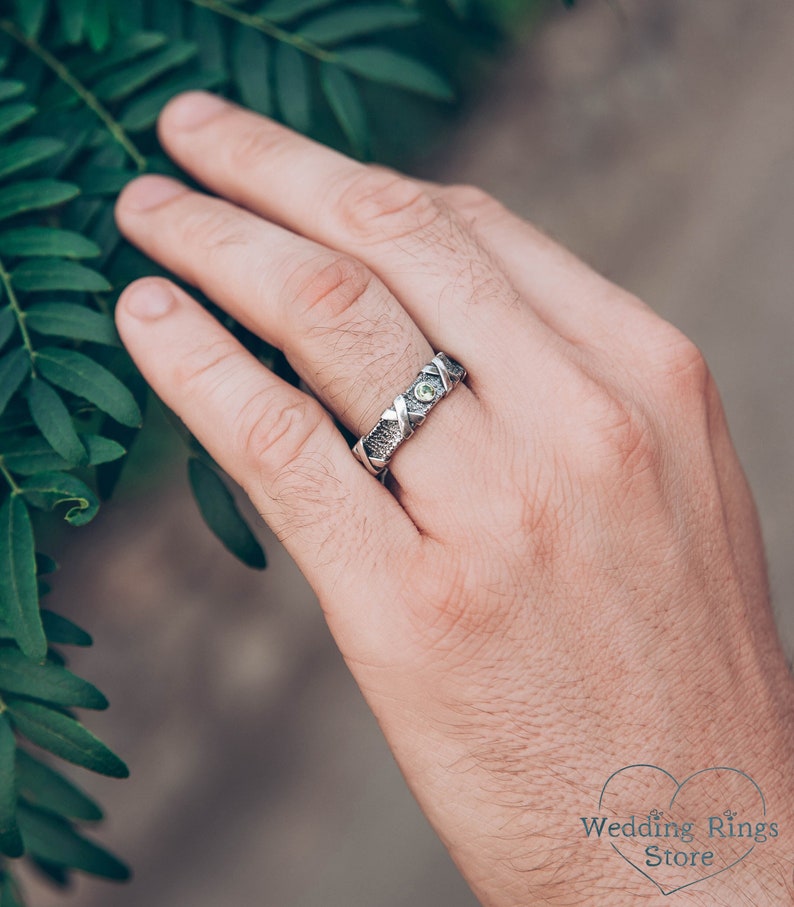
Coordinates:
565 573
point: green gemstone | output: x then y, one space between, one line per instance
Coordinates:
424 392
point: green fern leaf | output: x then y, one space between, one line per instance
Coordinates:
10 88
8 323
382 64
52 418
48 682
10 839
77 373
48 490
293 88
21 197
31 15
121 84
72 14
47 242
60 630
288 10
350 22
19 600
345 102
67 319
47 789
63 736
51 838
251 62
14 368
97 23
39 274
222 516
26 153
13 115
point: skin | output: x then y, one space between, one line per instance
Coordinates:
565 573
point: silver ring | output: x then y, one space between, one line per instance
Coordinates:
437 379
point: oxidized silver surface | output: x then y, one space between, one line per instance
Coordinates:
409 410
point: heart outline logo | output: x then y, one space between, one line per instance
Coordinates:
679 786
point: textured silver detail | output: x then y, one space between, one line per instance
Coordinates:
407 413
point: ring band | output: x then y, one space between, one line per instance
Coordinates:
437 379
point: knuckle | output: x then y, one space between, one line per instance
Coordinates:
324 292
680 374
632 440
211 229
254 144
616 438
480 279
208 364
379 206
286 452
471 201
271 434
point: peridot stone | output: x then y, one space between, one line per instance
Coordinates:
424 392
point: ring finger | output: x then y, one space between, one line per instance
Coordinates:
343 331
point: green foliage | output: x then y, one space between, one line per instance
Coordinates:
18 588
81 85
10 839
222 516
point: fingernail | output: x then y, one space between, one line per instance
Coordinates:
148 300
193 108
149 191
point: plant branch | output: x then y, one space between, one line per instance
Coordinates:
86 96
15 489
19 314
252 20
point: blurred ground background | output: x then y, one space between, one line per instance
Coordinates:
655 139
